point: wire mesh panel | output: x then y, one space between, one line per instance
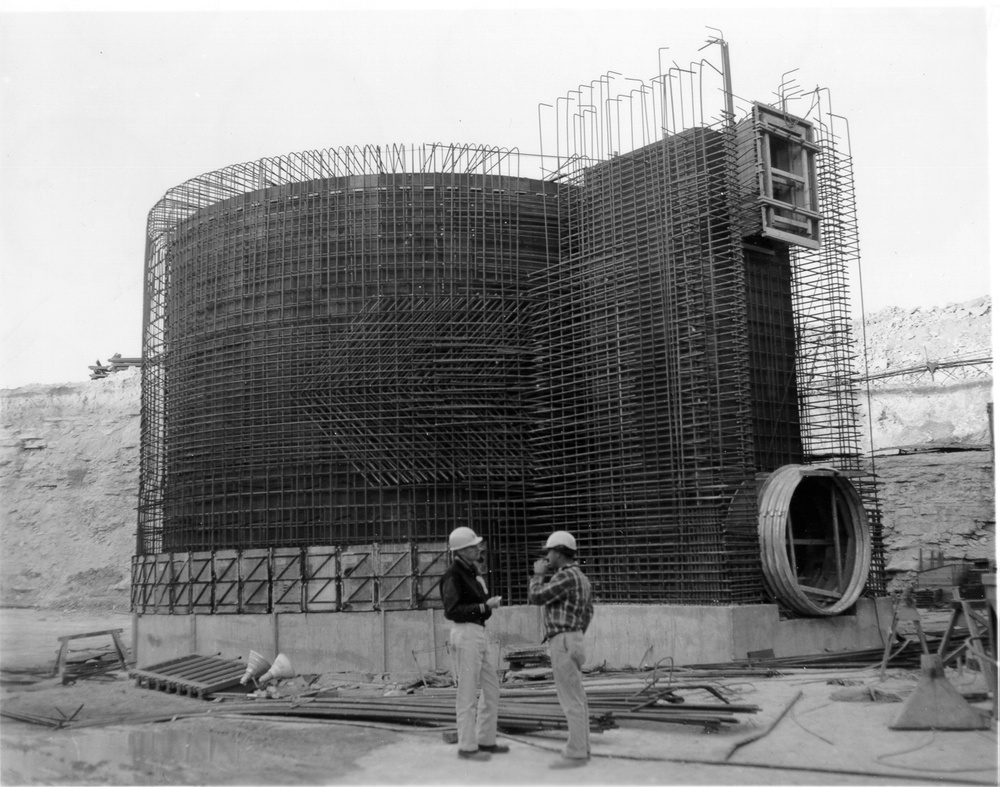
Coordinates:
644 366
825 348
774 394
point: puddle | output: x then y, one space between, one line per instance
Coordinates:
152 755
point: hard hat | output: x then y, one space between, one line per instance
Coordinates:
462 537
561 539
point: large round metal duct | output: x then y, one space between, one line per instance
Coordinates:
814 539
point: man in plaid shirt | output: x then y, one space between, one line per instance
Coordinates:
569 608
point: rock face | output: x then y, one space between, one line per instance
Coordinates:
936 502
69 480
926 411
926 379
69 462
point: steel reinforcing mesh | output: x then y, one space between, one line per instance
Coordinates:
377 345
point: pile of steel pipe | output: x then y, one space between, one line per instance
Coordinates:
423 709
907 656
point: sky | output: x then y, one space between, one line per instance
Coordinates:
102 111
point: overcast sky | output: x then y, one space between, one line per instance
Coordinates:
102 112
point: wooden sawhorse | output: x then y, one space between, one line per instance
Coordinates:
61 661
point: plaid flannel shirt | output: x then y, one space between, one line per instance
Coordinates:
567 599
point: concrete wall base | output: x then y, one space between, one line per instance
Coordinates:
409 641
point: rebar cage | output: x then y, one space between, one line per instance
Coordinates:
350 352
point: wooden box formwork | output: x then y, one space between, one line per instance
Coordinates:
290 579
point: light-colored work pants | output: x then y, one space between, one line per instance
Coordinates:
566 652
478 695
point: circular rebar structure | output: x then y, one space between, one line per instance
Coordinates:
345 359
348 353
815 543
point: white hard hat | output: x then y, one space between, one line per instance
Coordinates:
561 539
462 537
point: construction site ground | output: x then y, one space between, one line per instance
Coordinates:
814 726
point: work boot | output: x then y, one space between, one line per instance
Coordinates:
496 748
566 762
481 756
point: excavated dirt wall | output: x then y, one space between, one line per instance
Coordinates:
944 399
936 502
69 463
69 480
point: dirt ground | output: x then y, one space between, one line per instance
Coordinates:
803 739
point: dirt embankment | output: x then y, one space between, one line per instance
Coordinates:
928 386
69 462
927 379
69 479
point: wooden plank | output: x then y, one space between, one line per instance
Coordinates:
193 675
102 633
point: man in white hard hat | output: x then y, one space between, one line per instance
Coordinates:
569 608
468 605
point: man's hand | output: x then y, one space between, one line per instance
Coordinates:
541 567
494 602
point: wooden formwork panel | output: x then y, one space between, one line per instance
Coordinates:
163 577
291 579
143 583
431 561
321 579
226 570
286 580
180 583
255 580
202 586
394 572
357 578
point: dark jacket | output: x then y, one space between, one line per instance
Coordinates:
463 596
